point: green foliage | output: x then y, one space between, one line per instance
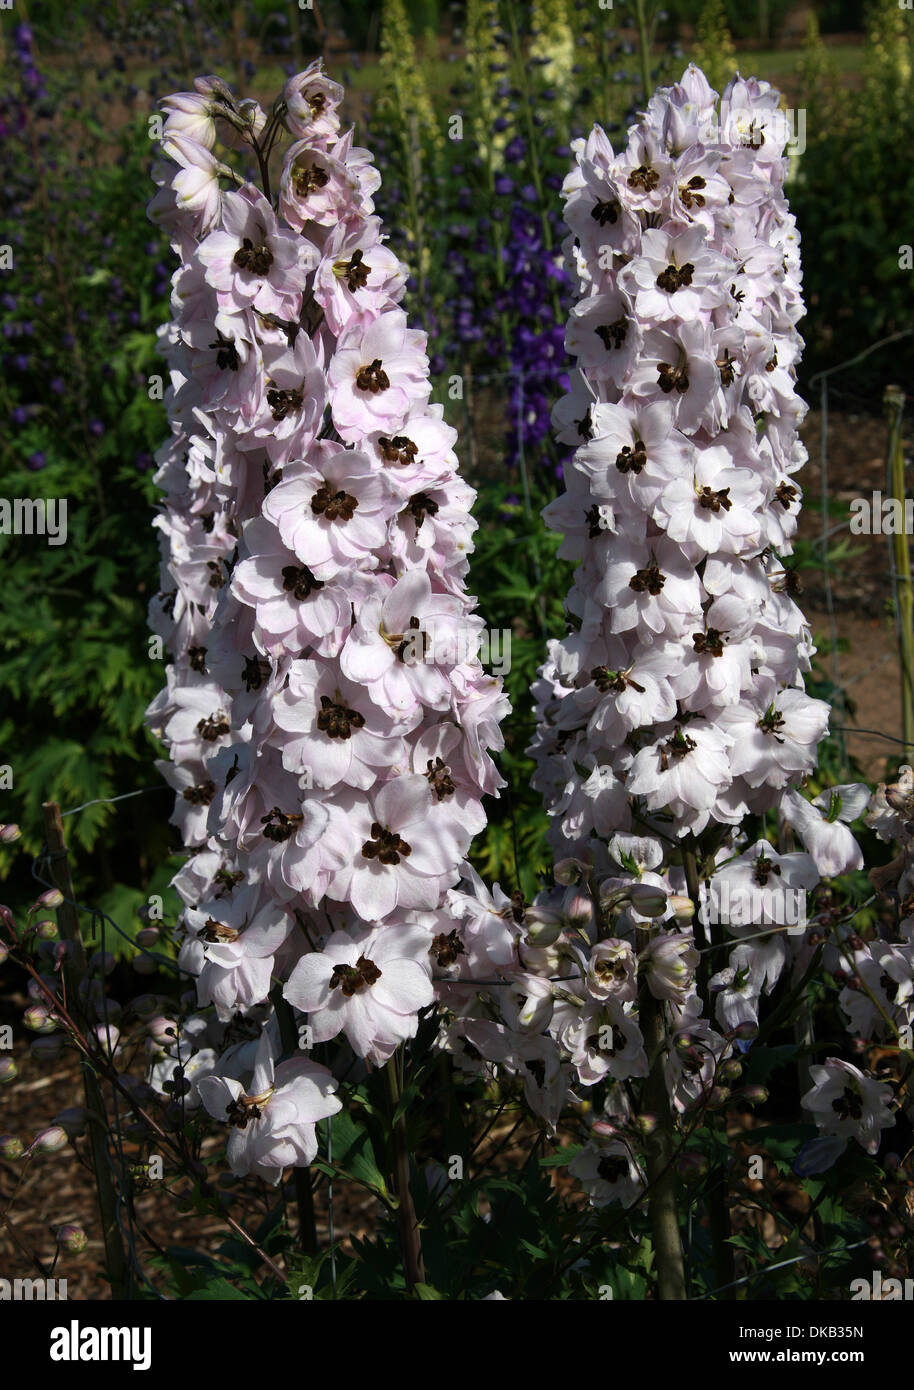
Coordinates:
856 287
714 51
78 316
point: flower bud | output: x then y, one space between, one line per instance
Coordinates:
147 936
145 1005
101 962
73 1120
568 871
4 952
50 1140
9 834
162 1030
683 908
645 1124
47 1049
604 1129
544 926
72 1238
898 798
107 1037
8 1069
37 1019
692 1166
46 929
751 1095
731 1071
11 1146
745 1031
647 899
52 898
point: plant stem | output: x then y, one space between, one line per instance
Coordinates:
410 1240
901 565
718 1211
74 971
301 1177
644 47
659 1153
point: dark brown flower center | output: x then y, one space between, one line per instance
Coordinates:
385 846
689 193
763 868
446 948
307 178
594 519
201 794
336 720
644 177
256 672
612 335
713 501
399 450
726 365
352 979
278 827
670 378
214 726
256 258
849 1105
282 403
606 210
647 580
227 354
613 682
771 721
372 378
355 271
631 459
333 506
421 506
214 931
676 277
298 581
710 643
439 777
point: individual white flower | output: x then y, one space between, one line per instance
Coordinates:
846 1103
369 985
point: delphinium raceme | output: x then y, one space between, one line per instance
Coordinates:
327 718
673 727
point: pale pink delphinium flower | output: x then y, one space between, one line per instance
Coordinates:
328 720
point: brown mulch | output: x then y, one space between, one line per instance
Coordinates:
858 611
